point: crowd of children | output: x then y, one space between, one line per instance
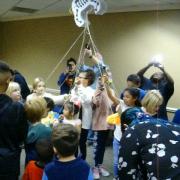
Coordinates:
55 143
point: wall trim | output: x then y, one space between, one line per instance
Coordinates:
56 92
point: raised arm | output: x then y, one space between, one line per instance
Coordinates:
167 76
143 70
105 84
96 58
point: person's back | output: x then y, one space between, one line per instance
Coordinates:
76 169
65 138
35 110
34 169
156 150
13 128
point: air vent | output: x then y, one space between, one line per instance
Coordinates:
24 10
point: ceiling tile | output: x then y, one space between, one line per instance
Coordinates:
36 4
50 8
5 5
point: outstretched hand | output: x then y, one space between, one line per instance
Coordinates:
88 52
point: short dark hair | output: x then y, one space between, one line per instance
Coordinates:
70 60
73 108
134 78
5 73
50 103
90 75
4 68
44 149
65 138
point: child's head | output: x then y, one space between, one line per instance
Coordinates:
65 139
39 86
5 76
128 116
151 101
70 109
50 104
14 91
44 149
86 77
133 80
35 109
131 96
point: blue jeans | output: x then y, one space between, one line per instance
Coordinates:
116 147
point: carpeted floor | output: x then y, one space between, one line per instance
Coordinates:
108 161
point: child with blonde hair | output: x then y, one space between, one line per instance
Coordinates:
151 102
39 90
35 111
14 91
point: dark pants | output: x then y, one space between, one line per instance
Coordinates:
100 138
9 177
9 164
82 143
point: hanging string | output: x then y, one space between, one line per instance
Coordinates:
62 59
95 50
82 54
80 58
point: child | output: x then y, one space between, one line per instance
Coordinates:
83 93
102 109
65 139
69 113
130 99
51 115
14 91
35 110
39 89
34 169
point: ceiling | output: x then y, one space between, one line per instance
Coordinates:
29 9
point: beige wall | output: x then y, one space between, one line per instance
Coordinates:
127 40
1 26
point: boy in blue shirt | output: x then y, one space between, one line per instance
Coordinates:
65 139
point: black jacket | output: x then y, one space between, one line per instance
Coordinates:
13 131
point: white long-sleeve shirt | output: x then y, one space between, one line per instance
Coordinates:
84 95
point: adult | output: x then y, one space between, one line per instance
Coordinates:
13 128
66 79
160 80
20 79
149 146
